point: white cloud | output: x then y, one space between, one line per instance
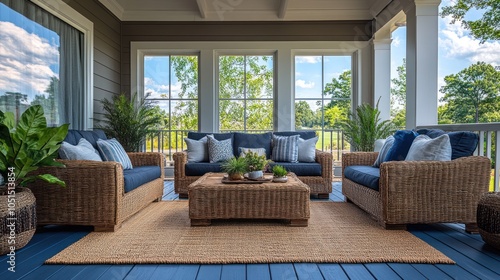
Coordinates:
304 84
457 43
25 60
396 41
308 59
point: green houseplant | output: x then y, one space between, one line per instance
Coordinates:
235 168
256 164
363 128
24 147
279 173
130 120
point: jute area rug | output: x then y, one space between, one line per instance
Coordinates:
337 233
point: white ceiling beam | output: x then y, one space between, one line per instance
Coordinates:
202 6
283 8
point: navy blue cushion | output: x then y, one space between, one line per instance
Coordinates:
251 140
367 176
305 134
140 175
463 143
74 136
401 146
301 168
200 168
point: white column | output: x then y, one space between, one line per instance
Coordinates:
284 103
421 63
382 76
208 106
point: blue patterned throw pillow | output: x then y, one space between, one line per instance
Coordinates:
112 150
219 150
285 148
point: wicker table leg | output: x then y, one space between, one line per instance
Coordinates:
201 222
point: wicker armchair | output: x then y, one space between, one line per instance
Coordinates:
94 193
321 185
412 192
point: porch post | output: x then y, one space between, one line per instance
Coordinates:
382 75
421 62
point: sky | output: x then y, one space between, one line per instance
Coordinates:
29 54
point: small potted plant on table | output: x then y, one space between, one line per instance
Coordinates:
235 168
256 164
279 174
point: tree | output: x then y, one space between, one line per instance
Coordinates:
49 102
398 96
485 28
304 115
340 104
472 94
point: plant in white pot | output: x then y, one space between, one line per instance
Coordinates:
256 164
24 147
279 174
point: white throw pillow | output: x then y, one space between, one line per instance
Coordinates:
82 151
383 151
425 148
197 150
307 149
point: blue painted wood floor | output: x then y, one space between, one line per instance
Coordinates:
474 259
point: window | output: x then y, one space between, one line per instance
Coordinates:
245 85
43 61
323 97
172 82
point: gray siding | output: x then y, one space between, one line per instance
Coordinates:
237 31
107 50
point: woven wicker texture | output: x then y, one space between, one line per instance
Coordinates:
211 199
337 233
488 218
420 191
24 215
317 184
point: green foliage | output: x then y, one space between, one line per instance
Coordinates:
398 96
472 95
361 130
340 91
485 28
235 166
255 162
304 115
279 171
29 145
130 121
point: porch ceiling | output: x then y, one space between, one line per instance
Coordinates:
241 10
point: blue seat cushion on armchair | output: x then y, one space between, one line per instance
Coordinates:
140 175
301 168
252 140
367 176
200 168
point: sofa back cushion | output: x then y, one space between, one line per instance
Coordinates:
402 143
252 140
73 137
306 134
463 143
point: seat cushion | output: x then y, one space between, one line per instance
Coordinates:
252 140
300 168
200 168
367 176
140 175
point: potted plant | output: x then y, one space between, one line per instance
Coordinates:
235 168
363 128
130 120
23 149
279 174
256 164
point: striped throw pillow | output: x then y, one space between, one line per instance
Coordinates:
112 150
285 148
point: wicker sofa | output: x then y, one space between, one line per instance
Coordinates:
318 175
95 193
414 192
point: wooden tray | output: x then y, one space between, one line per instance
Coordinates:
265 178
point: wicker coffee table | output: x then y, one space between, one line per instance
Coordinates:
209 199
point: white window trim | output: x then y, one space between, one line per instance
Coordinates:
284 72
64 12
